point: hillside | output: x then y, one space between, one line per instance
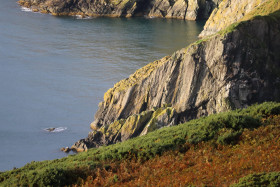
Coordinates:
231 145
146 132
256 154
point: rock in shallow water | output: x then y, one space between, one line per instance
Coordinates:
50 129
66 149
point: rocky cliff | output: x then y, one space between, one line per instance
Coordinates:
231 69
180 9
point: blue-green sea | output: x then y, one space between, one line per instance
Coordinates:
54 71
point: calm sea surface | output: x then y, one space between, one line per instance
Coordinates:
55 70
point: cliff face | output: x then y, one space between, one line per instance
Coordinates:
180 9
232 69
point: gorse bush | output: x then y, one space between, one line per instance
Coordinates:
263 179
261 110
228 136
223 128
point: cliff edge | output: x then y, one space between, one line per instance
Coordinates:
232 69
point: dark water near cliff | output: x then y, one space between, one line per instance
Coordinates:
54 71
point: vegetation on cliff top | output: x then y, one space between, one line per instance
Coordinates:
224 130
230 12
268 10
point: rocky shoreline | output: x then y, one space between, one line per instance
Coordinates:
177 9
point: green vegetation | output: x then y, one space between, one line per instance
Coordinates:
269 10
223 128
152 124
262 179
203 164
269 7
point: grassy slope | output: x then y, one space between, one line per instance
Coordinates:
268 10
217 130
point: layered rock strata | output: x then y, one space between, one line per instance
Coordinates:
180 9
232 69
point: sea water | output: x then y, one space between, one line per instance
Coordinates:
55 70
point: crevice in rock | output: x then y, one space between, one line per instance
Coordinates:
142 8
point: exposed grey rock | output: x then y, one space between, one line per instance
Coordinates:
178 10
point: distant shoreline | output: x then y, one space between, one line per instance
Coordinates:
179 9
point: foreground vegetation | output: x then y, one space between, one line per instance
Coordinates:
256 154
216 150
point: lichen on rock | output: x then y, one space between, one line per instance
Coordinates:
162 117
123 129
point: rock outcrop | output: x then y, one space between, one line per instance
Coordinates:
180 9
232 69
123 129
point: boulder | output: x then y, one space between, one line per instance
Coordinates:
50 129
66 149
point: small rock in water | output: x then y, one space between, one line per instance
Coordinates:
50 129
65 149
